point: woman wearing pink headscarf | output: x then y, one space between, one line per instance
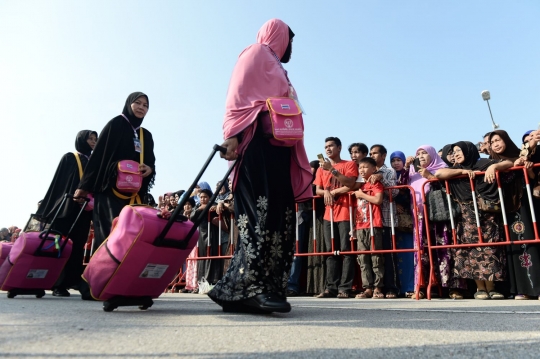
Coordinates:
267 182
429 163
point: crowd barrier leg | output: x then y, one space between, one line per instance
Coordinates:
531 203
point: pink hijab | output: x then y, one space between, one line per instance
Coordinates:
258 75
417 181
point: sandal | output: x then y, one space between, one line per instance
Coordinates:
391 295
495 295
368 293
409 294
454 294
378 294
481 295
343 295
421 295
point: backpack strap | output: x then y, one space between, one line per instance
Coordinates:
79 164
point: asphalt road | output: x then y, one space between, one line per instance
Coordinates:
191 326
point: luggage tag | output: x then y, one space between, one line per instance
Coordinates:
137 144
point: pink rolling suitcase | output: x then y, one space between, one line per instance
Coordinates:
143 253
5 248
36 260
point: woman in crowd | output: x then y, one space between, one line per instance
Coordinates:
66 180
191 269
522 258
208 244
448 155
429 163
404 235
225 207
483 264
120 140
268 181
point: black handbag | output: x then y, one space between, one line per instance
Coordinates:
437 204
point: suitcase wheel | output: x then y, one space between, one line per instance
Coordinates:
40 295
11 295
108 307
143 307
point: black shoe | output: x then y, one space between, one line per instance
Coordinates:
292 293
239 307
60 292
270 302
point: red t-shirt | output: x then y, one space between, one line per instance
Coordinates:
362 210
326 180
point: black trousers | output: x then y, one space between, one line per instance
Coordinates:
339 269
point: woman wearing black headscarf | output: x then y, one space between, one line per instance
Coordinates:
523 259
447 155
66 180
483 264
120 140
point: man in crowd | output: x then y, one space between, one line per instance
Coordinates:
485 148
333 180
387 176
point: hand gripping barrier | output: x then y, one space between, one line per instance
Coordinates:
481 243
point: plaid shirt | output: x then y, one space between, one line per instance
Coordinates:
388 180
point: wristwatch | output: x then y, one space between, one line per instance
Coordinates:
334 172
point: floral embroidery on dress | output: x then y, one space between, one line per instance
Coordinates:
525 259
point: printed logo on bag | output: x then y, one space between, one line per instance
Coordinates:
289 123
285 106
129 179
129 165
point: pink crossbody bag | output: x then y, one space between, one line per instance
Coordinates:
286 121
129 178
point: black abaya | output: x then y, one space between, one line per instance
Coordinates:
66 180
116 143
264 209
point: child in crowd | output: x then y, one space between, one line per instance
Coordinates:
369 224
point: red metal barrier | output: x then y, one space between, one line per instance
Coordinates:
351 201
433 246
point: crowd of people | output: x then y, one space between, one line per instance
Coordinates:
254 214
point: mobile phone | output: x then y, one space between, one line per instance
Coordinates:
320 157
416 164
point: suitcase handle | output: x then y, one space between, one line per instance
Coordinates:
45 234
161 240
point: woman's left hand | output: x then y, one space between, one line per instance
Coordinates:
490 174
145 170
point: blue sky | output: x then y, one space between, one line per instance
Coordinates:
400 73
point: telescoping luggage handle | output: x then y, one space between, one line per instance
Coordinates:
46 235
161 240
